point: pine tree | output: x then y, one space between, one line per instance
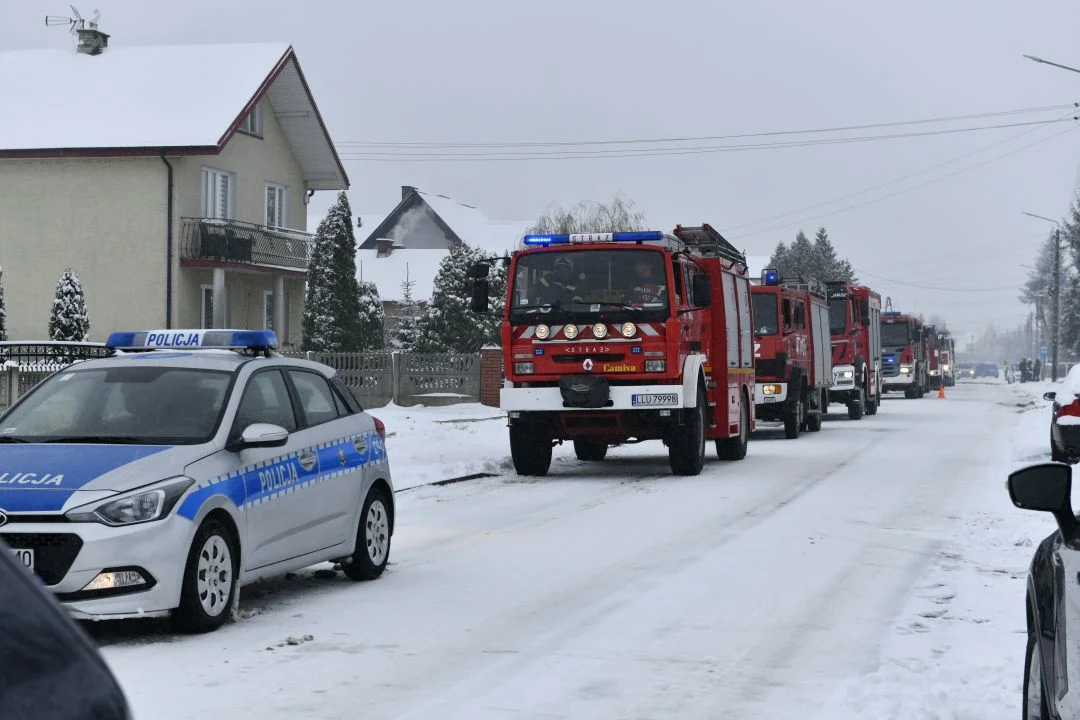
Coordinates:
372 325
779 256
406 334
69 321
448 324
332 309
3 310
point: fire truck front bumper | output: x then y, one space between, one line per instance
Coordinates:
620 397
904 378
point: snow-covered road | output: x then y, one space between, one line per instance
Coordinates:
768 588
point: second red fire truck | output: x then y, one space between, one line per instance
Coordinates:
613 338
792 352
905 355
855 326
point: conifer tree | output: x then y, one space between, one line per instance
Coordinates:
372 324
69 320
332 306
448 324
407 333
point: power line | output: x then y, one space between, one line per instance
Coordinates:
699 138
933 287
909 189
518 156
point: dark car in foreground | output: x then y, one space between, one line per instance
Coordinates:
49 669
1064 427
1051 682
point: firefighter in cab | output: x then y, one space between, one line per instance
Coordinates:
647 287
560 285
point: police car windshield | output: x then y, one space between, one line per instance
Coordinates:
136 405
584 282
895 334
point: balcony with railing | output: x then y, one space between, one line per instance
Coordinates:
234 241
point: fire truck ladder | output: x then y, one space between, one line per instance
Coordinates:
810 285
706 241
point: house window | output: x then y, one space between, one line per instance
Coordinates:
252 124
218 188
275 206
207 311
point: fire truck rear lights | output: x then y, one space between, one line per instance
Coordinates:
570 331
524 368
654 366
543 332
628 329
770 277
599 331
583 238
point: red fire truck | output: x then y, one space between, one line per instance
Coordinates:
933 357
792 353
905 360
613 338
855 326
947 355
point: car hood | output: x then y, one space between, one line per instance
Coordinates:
49 478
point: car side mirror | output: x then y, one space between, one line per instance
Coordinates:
479 271
479 300
702 291
259 435
1050 395
1047 488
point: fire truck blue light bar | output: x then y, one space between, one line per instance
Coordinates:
582 238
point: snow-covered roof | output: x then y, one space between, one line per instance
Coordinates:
475 228
141 100
389 272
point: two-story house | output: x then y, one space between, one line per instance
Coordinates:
173 180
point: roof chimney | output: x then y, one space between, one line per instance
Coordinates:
91 40
407 190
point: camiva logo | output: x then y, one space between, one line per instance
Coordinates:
614 368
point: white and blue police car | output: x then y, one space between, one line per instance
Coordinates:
190 462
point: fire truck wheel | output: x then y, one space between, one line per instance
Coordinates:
530 449
686 448
793 419
735 448
590 450
857 405
872 404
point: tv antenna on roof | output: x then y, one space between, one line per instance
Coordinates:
74 24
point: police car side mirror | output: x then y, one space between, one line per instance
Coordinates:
702 291
1047 488
479 301
261 435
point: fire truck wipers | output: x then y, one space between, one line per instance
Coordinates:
621 306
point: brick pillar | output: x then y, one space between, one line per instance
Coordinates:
491 375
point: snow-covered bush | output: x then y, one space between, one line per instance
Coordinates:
372 322
69 320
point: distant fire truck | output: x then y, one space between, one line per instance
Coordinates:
905 357
933 357
855 326
947 355
792 351
612 338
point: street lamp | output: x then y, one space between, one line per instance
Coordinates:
1047 62
1056 292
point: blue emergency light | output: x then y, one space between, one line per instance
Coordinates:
770 277
583 238
193 340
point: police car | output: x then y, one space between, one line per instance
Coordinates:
160 479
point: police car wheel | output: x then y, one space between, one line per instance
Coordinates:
372 549
209 579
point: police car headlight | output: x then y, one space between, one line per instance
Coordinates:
138 506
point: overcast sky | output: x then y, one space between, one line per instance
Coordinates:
490 71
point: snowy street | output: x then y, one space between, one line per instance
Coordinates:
875 570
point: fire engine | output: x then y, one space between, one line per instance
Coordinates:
792 351
933 357
905 358
947 354
855 327
613 338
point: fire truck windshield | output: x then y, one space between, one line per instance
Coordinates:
765 314
587 282
838 315
895 334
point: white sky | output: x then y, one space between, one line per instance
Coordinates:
495 71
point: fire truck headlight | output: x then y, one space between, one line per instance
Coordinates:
655 365
543 332
599 331
945 367
905 371
848 374
524 368
771 389
628 329
570 331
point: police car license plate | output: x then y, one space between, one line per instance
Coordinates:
660 399
24 557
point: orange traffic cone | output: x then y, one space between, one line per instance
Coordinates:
941 390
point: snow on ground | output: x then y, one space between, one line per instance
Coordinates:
874 569
956 649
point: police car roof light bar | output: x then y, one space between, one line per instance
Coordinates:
585 238
255 340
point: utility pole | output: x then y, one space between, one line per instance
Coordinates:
1057 302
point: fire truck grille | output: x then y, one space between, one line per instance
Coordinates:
53 552
603 357
891 370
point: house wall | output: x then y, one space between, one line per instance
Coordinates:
244 293
103 218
